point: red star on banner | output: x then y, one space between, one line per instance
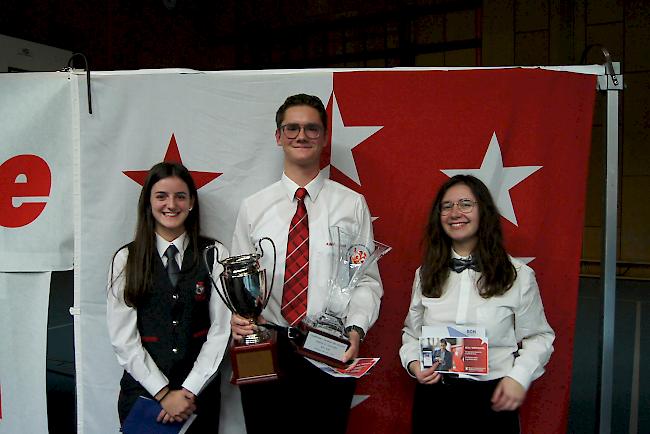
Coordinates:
174 156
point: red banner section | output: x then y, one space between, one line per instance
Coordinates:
526 134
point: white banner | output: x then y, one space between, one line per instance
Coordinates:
36 224
24 299
221 124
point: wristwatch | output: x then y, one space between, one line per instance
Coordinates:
357 329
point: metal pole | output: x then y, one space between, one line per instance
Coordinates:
613 86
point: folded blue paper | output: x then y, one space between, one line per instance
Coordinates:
142 419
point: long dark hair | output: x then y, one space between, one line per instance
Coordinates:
497 272
140 262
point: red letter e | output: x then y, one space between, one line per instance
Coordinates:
36 181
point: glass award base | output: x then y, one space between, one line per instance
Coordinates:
254 362
324 340
329 323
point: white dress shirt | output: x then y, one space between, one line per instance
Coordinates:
123 329
516 316
268 213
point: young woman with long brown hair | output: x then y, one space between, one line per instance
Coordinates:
468 279
167 326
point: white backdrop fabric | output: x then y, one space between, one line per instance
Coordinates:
35 120
221 122
24 301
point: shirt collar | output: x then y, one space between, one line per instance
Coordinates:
180 243
313 188
457 256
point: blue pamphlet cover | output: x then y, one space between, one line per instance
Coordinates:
142 419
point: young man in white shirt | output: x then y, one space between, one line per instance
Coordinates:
304 399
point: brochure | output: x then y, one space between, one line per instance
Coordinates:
454 349
358 369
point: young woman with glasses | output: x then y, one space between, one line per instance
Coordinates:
467 279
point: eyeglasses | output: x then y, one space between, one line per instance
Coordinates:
291 131
464 205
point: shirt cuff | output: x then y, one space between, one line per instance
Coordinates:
154 383
408 371
521 376
359 321
194 382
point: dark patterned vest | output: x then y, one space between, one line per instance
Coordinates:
174 321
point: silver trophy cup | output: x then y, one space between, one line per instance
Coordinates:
245 292
244 287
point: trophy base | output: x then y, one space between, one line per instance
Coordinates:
256 362
323 345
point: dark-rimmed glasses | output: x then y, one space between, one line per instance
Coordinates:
291 131
464 205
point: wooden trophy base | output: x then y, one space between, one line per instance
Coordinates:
254 363
323 346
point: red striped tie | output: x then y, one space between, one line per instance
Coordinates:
296 272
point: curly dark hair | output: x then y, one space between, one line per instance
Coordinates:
497 272
302 99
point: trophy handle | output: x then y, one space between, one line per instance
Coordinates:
224 296
214 246
259 243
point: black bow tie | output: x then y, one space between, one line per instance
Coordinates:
458 265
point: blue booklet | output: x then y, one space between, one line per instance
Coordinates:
142 419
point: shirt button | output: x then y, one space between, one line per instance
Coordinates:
174 350
175 322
